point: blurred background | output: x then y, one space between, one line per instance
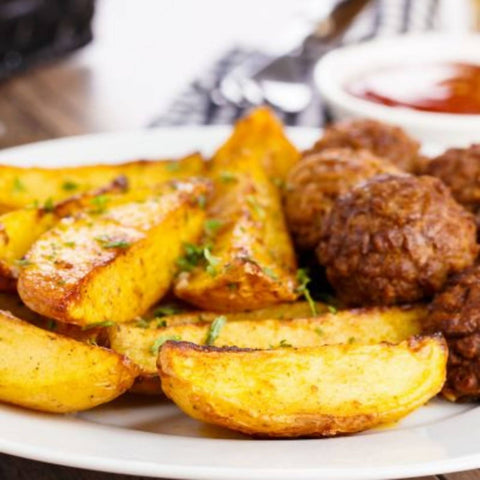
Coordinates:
78 66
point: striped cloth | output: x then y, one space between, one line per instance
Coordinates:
198 104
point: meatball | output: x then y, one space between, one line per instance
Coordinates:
459 169
395 239
387 141
315 183
456 313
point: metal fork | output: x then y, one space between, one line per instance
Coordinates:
283 82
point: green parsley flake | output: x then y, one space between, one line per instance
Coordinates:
105 242
23 262
319 331
227 177
99 202
161 340
51 325
18 185
303 280
69 186
212 261
214 329
49 206
202 201
165 310
253 202
193 256
173 167
70 244
212 225
285 344
333 310
270 273
104 324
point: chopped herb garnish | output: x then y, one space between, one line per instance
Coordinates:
165 310
99 203
173 167
192 257
214 329
104 324
285 344
105 242
69 186
202 201
69 244
161 340
23 262
32 206
160 322
232 286
212 261
332 309
48 206
270 273
278 182
351 340
303 280
253 202
18 185
227 177
52 325
319 331
212 225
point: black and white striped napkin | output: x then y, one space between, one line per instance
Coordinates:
197 106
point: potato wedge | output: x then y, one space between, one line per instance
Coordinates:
116 264
20 228
48 372
251 262
311 391
300 309
260 135
363 326
20 187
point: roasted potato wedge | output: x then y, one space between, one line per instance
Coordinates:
363 326
20 228
162 314
20 187
112 265
48 372
259 135
305 392
251 262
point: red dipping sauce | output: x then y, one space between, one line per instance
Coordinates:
436 87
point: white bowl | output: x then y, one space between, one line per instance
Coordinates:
339 67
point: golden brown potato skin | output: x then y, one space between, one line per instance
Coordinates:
395 239
318 180
459 169
49 372
21 187
365 326
456 313
112 266
255 260
304 392
386 141
260 134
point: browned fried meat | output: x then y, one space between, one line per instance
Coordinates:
317 180
456 313
395 239
386 141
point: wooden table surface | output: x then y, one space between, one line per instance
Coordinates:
71 97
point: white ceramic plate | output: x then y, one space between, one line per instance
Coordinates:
147 436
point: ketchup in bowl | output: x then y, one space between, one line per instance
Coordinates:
432 87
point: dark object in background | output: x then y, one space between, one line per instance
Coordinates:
35 31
